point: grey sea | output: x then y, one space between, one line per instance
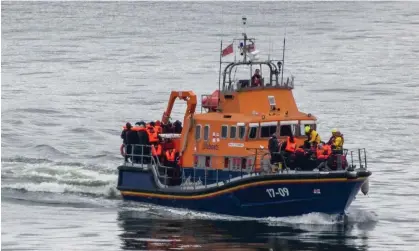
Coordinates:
73 73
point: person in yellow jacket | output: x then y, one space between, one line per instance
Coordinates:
313 136
336 141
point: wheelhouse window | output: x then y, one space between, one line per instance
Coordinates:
242 130
206 132
233 132
304 123
253 130
272 102
224 131
198 132
288 128
267 129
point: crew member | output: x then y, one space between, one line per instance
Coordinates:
312 136
256 79
336 141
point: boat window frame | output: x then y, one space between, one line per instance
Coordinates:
251 126
294 127
304 123
241 125
268 124
208 134
221 134
200 132
235 133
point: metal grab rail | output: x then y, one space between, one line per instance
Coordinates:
139 154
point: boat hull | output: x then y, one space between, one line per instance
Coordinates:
255 196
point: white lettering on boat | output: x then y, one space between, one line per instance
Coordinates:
235 145
283 192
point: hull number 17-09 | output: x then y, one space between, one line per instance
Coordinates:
283 192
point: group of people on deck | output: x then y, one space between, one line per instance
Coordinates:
144 140
313 154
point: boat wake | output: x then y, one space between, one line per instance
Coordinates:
45 175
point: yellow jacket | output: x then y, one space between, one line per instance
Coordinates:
314 137
338 143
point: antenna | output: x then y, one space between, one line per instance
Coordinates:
283 59
244 19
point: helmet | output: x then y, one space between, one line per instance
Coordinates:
334 130
307 129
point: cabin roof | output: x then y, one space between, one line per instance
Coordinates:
219 117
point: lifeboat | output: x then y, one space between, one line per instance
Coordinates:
231 157
211 102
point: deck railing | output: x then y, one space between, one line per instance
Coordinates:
140 156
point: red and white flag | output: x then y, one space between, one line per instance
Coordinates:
251 47
227 50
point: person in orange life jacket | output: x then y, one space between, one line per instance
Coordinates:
152 133
156 152
256 79
143 147
158 127
323 152
288 149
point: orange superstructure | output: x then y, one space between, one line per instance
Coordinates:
228 132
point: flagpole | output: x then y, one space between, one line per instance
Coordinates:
219 75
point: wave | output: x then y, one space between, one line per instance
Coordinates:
44 175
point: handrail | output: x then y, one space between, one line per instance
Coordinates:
139 156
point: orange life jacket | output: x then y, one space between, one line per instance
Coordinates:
324 153
134 128
290 146
170 155
154 151
158 129
152 134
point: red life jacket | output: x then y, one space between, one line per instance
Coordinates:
170 155
154 151
290 146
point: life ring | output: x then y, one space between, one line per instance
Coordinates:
121 149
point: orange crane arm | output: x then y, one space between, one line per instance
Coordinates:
188 96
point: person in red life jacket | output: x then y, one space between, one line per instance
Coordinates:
256 79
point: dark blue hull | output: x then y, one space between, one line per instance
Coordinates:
255 196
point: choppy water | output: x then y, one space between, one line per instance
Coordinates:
74 73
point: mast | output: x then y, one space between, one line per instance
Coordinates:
219 75
283 63
244 19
